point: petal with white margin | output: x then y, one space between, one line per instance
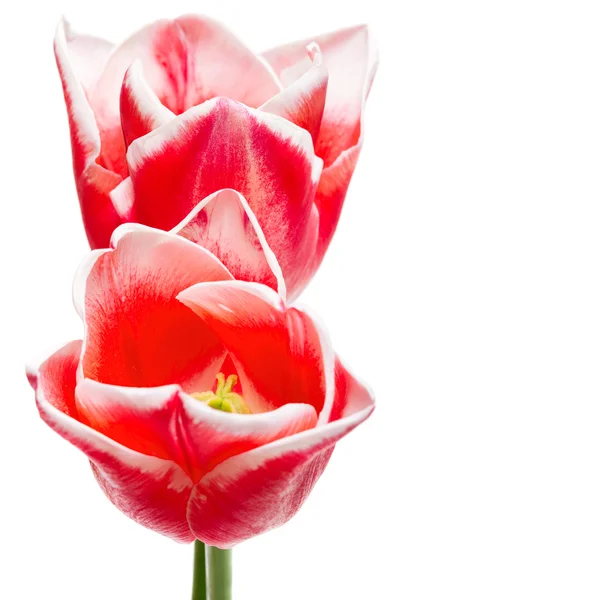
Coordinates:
350 57
224 224
187 61
278 351
93 180
152 491
224 144
141 110
166 423
262 489
303 101
351 60
137 333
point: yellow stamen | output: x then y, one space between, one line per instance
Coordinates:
223 398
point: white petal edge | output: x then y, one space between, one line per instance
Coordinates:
87 264
320 438
266 294
145 96
151 399
269 254
328 355
155 140
101 443
81 109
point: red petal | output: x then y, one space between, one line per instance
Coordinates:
262 489
303 101
330 197
222 66
137 333
225 225
350 58
152 491
168 424
78 59
278 352
187 61
141 110
223 144
351 396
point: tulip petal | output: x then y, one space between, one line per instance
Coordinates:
222 65
187 61
167 423
137 333
351 396
87 55
141 110
278 351
225 225
330 197
350 58
303 101
223 144
262 489
152 491
78 59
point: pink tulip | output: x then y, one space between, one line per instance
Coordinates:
171 338
198 112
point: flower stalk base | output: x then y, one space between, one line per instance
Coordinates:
218 573
199 581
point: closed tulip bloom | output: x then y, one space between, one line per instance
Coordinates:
207 407
182 110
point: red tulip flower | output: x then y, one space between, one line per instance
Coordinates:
207 407
182 110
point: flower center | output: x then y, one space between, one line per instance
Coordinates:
223 398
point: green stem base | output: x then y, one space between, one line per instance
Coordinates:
218 573
199 581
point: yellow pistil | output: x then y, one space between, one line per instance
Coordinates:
223 398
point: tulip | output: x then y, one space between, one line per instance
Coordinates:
182 110
207 407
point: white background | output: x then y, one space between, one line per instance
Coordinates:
463 284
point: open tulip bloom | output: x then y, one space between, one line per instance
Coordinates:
210 181
208 408
182 110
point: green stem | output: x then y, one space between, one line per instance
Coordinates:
199 582
218 573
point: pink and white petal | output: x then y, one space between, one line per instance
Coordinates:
351 395
330 197
137 333
221 65
87 54
152 491
95 185
93 181
141 110
224 144
259 490
167 423
186 61
92 139
303 101
224 224
329 201
277 351
162 51
214 436
142 419
123 199
351 59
